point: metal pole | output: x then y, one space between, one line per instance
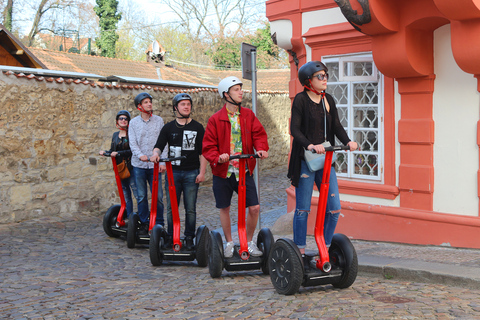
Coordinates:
253 53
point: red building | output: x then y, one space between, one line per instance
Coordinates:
405 77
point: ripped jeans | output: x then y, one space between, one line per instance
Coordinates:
303 195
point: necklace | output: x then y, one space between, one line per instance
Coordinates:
180 126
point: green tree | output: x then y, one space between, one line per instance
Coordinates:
225 51
7 14
269 55
106 11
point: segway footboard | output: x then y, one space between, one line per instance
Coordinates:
236 263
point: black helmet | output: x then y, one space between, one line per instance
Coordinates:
123 113
139 98
179 97
308 69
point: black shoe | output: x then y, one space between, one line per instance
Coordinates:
168 242
189 242
143 230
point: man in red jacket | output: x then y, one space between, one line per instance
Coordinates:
234 130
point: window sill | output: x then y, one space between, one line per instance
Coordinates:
366 189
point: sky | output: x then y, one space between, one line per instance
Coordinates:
155 11
165 15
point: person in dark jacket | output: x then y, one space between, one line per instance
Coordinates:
314 120
184 137
120 148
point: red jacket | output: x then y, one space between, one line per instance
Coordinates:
216 140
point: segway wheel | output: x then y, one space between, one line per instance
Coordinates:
157 238
132 230
215 259
343 256
265 241
110 219
201 248
286 268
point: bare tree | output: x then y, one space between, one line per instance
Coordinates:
210 16
46 16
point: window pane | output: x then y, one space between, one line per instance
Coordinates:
366 164
366 117
341 165
367 140
365 93
343 116
339 93
362 68
332 71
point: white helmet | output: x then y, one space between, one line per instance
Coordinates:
226 84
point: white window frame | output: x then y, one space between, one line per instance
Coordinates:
350 81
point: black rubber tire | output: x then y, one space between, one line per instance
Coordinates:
156 243
343 255
265 241
201 246
132 230
215 258
110 219
286 268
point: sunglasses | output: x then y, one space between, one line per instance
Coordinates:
123 118
322 76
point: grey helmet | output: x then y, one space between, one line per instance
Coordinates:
308 69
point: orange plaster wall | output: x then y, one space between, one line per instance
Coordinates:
402 45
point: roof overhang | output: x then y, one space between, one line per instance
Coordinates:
52 73
18 50
154 82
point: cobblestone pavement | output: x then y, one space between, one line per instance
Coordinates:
54 268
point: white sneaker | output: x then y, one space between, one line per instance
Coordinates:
228 252
253 249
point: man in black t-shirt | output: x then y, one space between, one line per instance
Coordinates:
184 137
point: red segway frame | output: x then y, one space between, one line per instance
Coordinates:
153 207
324 262
123 203
177 244
242 190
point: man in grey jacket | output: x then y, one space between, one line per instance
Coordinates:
142 133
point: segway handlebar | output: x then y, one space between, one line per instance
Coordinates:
172 159
333 148
108 153
244 156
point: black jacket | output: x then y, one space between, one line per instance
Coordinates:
121 146
302 124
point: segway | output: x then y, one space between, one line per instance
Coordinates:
338 267
158 237
114 223
133 236
241 259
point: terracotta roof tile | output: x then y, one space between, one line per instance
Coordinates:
270 81
74 62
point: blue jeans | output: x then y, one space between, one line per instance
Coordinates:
141 178
129 186
303 195
184 182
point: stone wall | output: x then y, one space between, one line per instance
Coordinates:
51 131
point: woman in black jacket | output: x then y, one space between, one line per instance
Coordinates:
314 120
120 149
